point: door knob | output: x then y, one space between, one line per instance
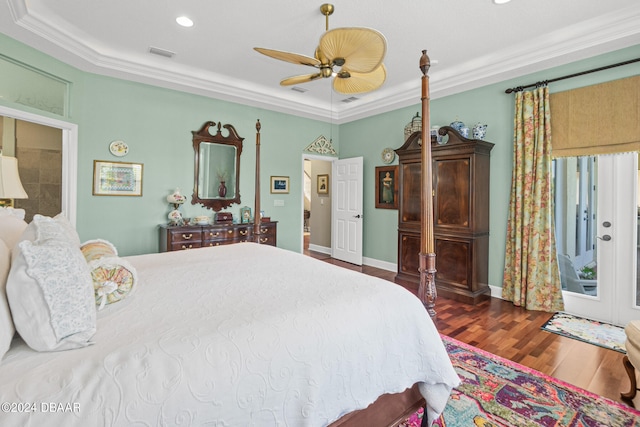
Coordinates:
606 237
606 224
358 216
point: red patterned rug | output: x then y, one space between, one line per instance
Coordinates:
497 392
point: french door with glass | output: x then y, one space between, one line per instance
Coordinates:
596 213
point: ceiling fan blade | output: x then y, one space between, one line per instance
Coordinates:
300 79
349 82
362 49
294 58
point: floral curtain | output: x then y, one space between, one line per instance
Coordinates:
531 277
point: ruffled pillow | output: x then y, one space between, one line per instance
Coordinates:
49 289
113 279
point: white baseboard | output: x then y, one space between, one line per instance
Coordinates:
321 249
383 265
496 292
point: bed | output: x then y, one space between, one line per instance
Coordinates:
291 341
195 338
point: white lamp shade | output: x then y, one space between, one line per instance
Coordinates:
10 185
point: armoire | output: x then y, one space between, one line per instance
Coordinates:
461 169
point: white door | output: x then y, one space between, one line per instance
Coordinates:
346 216
615 241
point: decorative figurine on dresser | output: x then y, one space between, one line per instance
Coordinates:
217 165
461 214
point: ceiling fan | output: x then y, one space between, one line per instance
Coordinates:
353 56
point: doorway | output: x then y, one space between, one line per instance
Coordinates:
596 211
69 156
38 149
316 205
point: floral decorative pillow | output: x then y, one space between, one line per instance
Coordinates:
113 279
98 248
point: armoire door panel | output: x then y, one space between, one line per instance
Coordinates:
409 253
453 190
453 262
410 199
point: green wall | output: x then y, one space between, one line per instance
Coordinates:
157 125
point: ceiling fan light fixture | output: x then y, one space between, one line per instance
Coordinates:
357 51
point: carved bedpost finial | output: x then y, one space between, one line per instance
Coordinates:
258 125
425 62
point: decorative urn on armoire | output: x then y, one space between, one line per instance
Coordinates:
461 215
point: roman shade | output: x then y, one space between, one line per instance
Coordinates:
598 119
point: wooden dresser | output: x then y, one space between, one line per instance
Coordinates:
461 215
177 238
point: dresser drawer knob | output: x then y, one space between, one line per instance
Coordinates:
230 231
243 232
264 240
212 234
187 236
264 230
185 247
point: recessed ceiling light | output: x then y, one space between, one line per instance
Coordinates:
501 1
184 21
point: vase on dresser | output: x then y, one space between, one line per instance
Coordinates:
222 189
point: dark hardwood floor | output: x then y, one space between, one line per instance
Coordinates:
501 328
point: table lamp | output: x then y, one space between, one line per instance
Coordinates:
10 184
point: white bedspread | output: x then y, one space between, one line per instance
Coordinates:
236 335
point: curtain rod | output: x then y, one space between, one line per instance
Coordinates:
544 82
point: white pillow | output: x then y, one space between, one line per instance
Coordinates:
44 228
10 211
11 228
70 230
50 291
7 330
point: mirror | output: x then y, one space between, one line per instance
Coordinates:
217 166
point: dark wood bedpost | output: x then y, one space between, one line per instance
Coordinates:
256 214
427 287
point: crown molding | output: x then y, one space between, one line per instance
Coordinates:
608 32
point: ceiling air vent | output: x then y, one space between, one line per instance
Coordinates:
299 89
350 99
162 52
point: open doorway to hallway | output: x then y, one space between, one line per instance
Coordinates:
316 209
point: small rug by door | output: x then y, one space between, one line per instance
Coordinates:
497 392
591 331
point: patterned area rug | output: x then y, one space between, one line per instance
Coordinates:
496 392
591 331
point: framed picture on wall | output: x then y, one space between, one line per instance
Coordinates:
117 178
280 184
323 184
387 187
